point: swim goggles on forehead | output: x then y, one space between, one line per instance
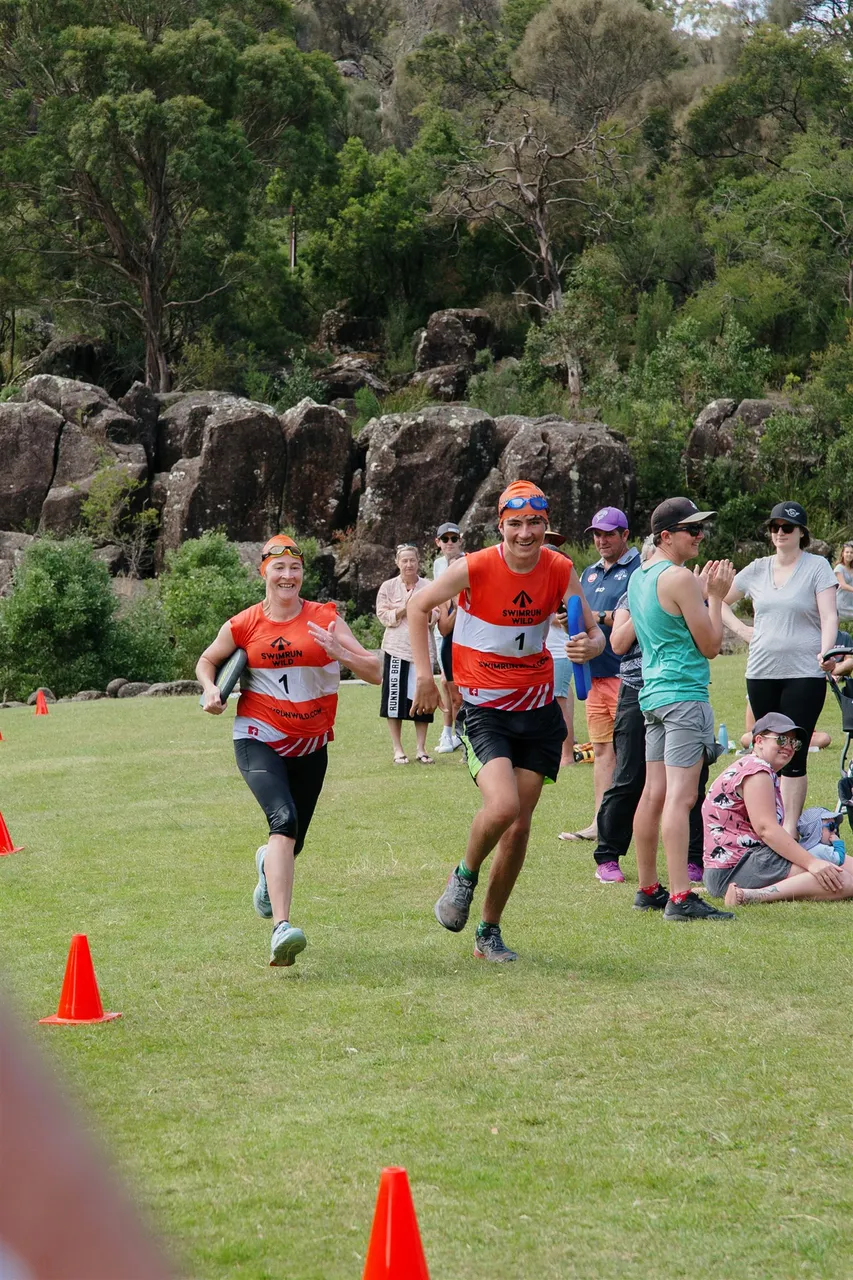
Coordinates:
279 550
536 501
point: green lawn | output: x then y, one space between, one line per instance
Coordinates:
630 1100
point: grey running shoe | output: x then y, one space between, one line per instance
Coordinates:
285 945
693 908
491 946
260 897
651 901
453 906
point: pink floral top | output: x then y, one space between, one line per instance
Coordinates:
728 832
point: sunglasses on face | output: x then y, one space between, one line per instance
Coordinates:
832 825
449 537
782 528
282 551
782 740
695 530
536 502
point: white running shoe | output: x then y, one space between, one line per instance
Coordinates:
285 945
444 746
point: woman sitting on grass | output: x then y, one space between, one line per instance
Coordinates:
749 856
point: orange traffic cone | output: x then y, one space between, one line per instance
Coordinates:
395 1251
80 1000
6 845
41 703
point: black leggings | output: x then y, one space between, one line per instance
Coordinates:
801 700
286 789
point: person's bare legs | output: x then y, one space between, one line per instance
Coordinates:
647 822
798 885
395 728
793 799
278 869
512 847
567 707
446 709
682 787
499 793
421 727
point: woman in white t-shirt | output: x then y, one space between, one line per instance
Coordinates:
793 596
844 574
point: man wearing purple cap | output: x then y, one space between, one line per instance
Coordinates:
603 584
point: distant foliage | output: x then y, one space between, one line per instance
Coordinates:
203 585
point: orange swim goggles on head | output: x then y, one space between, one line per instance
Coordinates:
280 545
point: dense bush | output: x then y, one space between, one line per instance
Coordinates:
57 625
204 583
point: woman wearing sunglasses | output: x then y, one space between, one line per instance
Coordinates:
750 856
285 718
793 596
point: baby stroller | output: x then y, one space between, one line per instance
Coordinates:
843 690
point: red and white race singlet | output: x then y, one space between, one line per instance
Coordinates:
289 689
499 654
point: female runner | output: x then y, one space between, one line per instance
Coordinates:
285 718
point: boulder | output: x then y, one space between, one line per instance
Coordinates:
133 688
725 429
180 426
319 466
12 703
348 374
85 406
452 337
114 686
754 413
29 433
415 463
236 482
173 689
141 404
342 331
88 695
82 456
78 357
48 696
113 557
447 382
12 548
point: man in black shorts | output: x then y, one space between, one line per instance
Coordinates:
512 728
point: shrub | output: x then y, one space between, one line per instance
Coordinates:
690 370
367 630
58 623
142 645
204 584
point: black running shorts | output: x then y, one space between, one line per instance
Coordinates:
530 739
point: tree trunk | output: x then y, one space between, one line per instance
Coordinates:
157 374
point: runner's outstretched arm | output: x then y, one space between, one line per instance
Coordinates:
340 643
452 581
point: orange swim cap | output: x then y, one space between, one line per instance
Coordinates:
524 490
280 545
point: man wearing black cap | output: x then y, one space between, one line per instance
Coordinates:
677 634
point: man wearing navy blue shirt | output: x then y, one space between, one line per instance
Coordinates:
603 583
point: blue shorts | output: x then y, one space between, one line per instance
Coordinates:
562 677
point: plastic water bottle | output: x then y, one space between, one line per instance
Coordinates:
723 737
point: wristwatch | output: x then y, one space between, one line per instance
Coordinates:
601 618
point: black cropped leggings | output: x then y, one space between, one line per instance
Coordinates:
286 789
801 700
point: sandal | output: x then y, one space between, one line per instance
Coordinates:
575 835
400 758
423 758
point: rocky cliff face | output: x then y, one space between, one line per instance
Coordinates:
210 460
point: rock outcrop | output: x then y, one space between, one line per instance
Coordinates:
453 337
726 429
29 435
319 468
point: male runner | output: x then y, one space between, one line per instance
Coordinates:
677 634
512 729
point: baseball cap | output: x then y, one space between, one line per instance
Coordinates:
791 512
675 511
775 722
447 527
608 519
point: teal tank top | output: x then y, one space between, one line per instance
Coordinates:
673 668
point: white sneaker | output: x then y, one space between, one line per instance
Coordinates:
286 943
444 746
456 742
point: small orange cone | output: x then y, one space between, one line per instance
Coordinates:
41 703
6 845
80 1000
395 1251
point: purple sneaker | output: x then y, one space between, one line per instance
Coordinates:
609 873
694 873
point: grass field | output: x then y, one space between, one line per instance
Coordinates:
630 1100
